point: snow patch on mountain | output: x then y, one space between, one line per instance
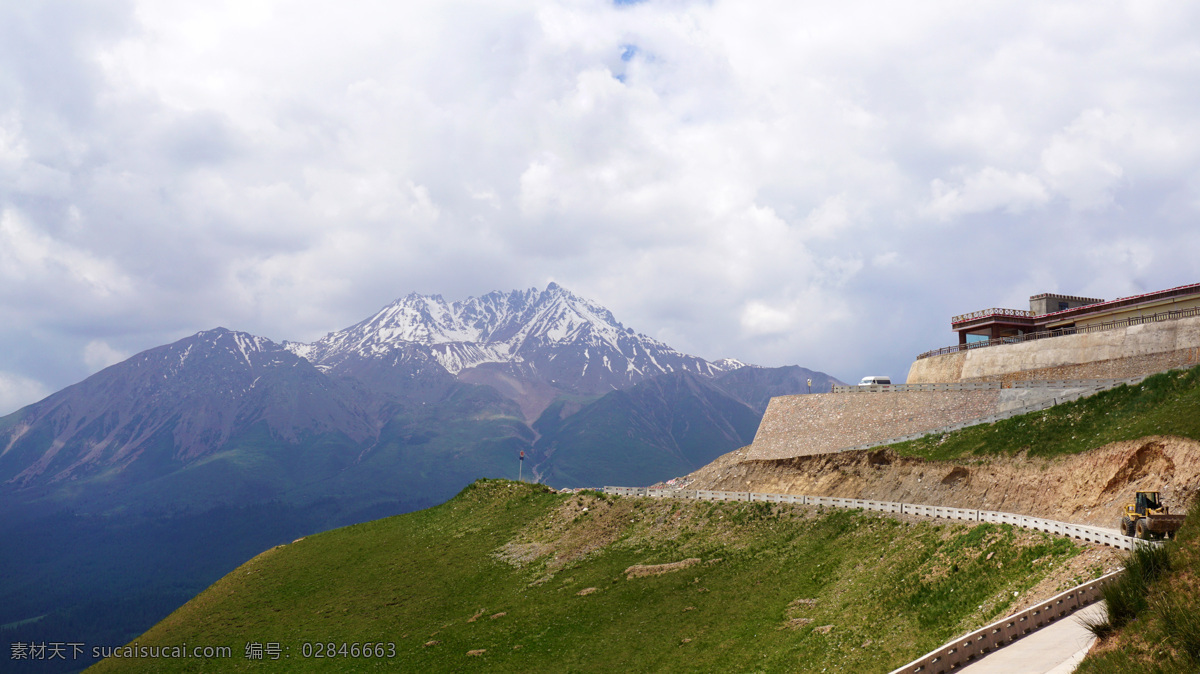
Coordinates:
459 356
569 341
729 364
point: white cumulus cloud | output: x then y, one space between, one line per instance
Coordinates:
776 182
16 391
989 189
97 354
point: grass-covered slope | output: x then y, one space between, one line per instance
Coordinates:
1154 610
1164 404
511 577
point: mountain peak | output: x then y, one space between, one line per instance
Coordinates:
569 341
730 364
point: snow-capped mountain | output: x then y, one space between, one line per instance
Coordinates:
193 455
553 337
173 405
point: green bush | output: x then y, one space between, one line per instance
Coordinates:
1180 622
1125 596
1154 617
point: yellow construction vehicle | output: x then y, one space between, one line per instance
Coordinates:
1147 517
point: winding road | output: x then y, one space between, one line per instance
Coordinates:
1056 649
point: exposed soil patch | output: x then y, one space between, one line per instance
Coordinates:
958 474
643 570
1149 459
792 619
1087 488
520 554
879 458
561 543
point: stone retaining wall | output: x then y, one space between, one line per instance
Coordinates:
1116 354
819 423
1119 368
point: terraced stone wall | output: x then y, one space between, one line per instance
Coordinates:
820 423
1114 354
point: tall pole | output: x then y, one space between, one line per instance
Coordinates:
521 469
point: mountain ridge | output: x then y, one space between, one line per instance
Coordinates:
157 475
551 337
196 390
177 403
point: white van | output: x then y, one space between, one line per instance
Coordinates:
875 381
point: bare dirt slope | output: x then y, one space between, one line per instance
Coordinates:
1087 488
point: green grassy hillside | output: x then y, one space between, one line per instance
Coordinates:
1164 404
105 565
511 577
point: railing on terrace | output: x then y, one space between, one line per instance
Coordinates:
1090 384
1044 334
1134 300
983 313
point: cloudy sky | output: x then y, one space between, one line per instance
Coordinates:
779 182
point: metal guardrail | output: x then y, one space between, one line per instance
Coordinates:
966 648
1044 334
1001 633
1081 531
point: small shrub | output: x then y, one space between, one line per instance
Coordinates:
1180 622
760 510
1126 595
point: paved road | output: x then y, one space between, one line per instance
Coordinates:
1055 649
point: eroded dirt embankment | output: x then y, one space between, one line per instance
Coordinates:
1087 488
